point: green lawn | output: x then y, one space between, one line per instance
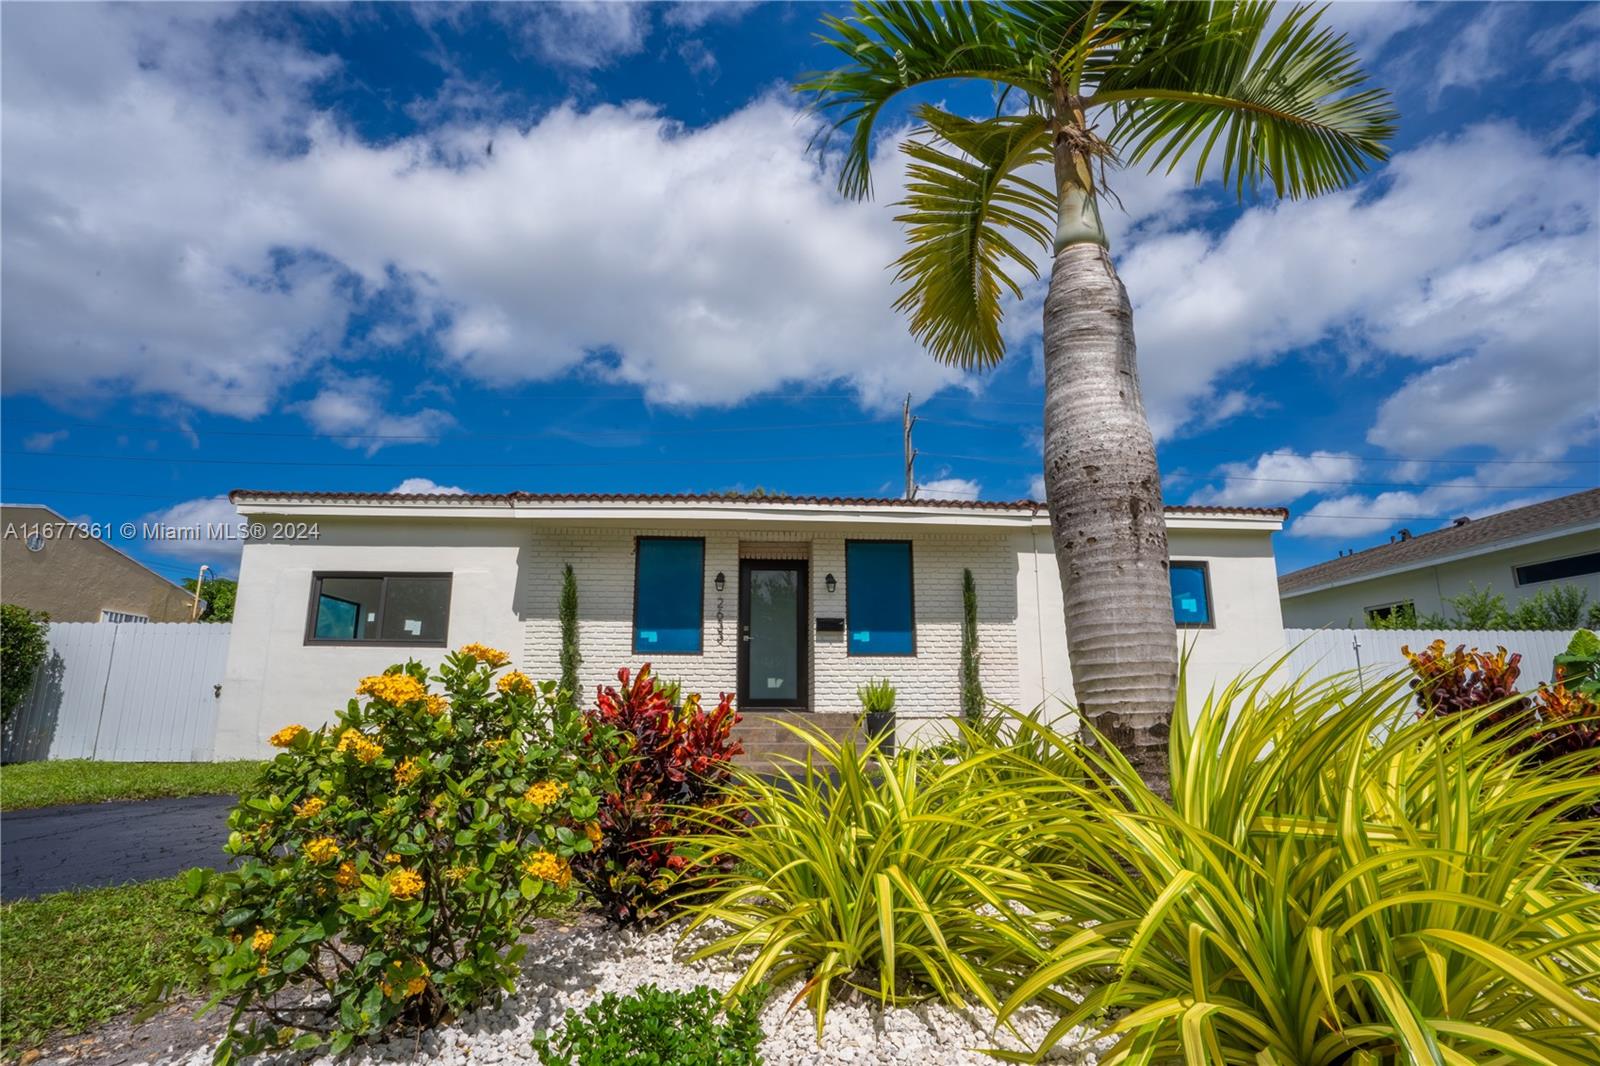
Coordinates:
48 784
72 960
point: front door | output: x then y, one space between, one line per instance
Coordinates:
773 649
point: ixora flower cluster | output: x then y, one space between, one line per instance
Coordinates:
392 858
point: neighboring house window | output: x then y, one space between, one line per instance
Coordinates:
122 616
1385 612
1191 594
1557 569
669 577
878 601
379 609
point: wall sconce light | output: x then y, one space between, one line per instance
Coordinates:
831 582
721 581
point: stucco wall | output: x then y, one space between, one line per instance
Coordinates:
76 576
1430 586
1247 630
274 677
507 582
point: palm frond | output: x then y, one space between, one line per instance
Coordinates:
892 47
967 204
1286 106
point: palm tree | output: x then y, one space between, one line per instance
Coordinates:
1274 101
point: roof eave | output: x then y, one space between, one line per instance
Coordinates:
1441 560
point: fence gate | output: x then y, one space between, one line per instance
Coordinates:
123 691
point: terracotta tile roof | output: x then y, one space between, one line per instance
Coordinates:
271 496
1469 538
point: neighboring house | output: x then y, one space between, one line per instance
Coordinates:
1516 552
788 602
49 563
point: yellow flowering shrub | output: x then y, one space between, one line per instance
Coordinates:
285 736
492 657
392 858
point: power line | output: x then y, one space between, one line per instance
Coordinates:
1247 477
464 435
430 464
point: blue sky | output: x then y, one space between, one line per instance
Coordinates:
584 247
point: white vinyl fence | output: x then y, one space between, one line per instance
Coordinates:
123 691
1321 652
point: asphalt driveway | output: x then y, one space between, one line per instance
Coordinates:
89 845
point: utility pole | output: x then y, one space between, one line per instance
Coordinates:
911 453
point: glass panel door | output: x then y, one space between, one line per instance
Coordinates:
773 650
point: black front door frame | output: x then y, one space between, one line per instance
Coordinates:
802 570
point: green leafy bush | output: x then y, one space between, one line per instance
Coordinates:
1555 607
1335 880
652 1027
23 646
860 872
877 697
1579 666
672 759
392 859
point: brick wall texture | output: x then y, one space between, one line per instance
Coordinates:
928 683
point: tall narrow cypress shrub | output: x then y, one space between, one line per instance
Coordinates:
571 658
971 687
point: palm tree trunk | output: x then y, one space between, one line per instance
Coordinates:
1104 491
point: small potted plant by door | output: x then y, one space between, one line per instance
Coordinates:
877 704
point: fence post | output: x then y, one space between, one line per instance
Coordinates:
105 687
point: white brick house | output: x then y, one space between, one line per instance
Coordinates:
342 585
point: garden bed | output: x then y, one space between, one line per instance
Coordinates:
571 964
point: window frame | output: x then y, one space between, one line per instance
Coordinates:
125 617
911 588
1204 566
1367 612
1517 568
317 576
633 621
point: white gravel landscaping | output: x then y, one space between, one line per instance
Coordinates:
579 963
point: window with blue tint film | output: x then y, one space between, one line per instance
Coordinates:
878 597
1191 594
668 595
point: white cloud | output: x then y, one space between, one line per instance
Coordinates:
355 411
1572 48
204 526
1366 516
696 13
584 34
1478 54
1476 251
43 442
704 264
1036 488
949 488
422 486
1277 478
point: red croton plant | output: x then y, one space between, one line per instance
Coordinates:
671 757
1450 683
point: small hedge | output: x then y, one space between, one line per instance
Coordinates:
391 860
653 1027
23 646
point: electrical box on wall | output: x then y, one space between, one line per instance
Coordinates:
830 625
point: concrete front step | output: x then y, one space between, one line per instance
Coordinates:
764 737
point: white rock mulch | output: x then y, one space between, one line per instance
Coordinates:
574 968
